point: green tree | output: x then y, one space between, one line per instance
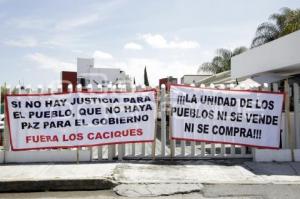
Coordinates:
283 23
3 93
222 61
146 81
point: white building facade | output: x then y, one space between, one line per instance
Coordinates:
88 74
280 56
192 79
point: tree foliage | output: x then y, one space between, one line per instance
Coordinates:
222 61
146 81
283 23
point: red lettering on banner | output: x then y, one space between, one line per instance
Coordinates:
110 135
106 135
72 137
41 138
80 119
139 131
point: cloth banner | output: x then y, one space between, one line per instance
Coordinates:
250 118
38 121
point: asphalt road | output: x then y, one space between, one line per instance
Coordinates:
265 191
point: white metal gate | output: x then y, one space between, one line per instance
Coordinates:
164 148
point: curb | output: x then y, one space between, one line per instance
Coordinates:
56 185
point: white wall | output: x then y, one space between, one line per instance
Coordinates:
190 79
280 54
106 74
86 69
44 156
84 65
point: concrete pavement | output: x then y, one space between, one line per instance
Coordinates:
108 194
144 178
56 177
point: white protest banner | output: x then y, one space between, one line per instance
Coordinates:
250 118
80 119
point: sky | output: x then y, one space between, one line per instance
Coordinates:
39 39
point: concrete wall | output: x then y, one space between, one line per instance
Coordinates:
282 155
1 157
43 156
266 155
297 155
282 53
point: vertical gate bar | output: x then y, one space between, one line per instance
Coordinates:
28 89
243 151
266 87
291 138
193 148
125 89
202 143
182 145
155 132
100 151
232 150
213 146
120 146
90 89
222 153
285 135
232 146
6 135
282 135
111 148
40 89
70 89
243 148
120 152
18 89
0 99
168 111
255 88
163 119
202 149
143 144
154 142
296 114
193 143
143 154
114 153
59 88
2 133
275 87
133 89
49 89
2 136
